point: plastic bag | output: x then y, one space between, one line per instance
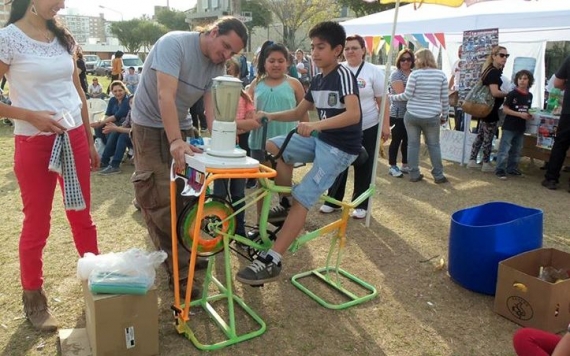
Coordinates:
553 275
129 272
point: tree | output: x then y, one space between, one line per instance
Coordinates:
363 8
174 20
150 32
127 36
298 14
260 14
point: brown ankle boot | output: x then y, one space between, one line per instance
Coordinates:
37 311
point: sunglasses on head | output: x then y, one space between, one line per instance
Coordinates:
503 55
406 59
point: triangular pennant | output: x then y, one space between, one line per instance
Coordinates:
441 38
401 39
410 38
376 43
369 43
421 40
431 38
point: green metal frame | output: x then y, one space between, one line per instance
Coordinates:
228 327
331 275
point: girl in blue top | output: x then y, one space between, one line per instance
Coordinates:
273 90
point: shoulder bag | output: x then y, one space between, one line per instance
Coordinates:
479 101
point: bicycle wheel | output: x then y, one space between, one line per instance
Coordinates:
214 224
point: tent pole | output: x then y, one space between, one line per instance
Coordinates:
382 110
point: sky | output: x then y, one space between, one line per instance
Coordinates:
128 8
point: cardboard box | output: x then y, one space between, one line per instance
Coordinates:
543 305
122 324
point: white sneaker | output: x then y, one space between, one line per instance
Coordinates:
394 171
473 164
405 169
325 209
487 167
358 214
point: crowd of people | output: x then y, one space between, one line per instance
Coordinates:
347 97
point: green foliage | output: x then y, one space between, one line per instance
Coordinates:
300 14
363 8
137 33
174 20
127 36
150 32
259 12
261 16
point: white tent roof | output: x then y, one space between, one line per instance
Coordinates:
546 20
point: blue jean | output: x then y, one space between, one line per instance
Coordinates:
117 144
510 148
328 163
430 128
233 193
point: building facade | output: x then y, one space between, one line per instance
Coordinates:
87 29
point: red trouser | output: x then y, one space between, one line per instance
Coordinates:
534 342
37 187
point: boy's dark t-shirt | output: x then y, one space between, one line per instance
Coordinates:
327 93
519 102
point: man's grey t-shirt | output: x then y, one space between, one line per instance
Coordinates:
177 54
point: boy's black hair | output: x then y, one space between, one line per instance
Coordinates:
528 74
329 31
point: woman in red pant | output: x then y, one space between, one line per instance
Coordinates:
534 342
52 134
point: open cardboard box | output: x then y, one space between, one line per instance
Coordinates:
539 304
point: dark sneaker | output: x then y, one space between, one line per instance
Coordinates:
279 213
441 180
109 170
417 179
550 184
501 175
262 270
515 172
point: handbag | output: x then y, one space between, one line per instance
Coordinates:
479 101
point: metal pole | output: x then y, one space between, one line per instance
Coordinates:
382 110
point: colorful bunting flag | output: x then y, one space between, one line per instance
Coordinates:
441 38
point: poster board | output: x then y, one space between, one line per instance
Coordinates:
451 144
477 46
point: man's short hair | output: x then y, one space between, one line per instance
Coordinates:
329 31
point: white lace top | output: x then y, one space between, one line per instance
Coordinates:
40 76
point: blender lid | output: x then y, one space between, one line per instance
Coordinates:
227 78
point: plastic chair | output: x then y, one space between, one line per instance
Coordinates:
96 107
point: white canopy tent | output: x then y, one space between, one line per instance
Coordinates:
524 28
537 19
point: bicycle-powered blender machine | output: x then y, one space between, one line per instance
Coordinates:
207 224
222 151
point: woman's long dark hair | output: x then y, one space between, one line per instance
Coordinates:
19 8
267 48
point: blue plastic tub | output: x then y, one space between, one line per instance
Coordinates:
482 236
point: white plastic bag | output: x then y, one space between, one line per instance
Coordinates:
129 272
